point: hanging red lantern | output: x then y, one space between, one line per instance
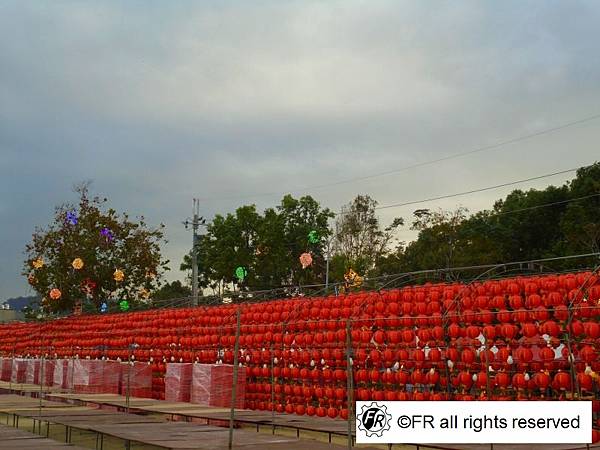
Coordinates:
481 381
519 381
588 354
562 381
547 354
379 337
502 380
528 330
467 356
550 328
541 380
585 381
465 379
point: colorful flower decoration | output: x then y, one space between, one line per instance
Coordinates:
88 286
77 264
313 237
31 279
103 307
241 273
353 279
144 293
150 275
38 263
55 294
107 234
306 260
118 275
72 217
123 305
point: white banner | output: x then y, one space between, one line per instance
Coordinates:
476 422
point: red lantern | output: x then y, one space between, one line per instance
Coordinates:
541 380
562 381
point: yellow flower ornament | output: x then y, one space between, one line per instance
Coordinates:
118 275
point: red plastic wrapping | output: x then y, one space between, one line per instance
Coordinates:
140 379
6 369
178 379
47 371
63 374
32 371
111 377
212 385
96 377
19 370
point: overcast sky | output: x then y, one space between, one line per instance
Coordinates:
158 102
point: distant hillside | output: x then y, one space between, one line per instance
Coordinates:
18 303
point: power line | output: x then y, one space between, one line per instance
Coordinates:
413 202
546 204
420 164
473 191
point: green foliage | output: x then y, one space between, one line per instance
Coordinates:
134 249
580 223
360 240
175 289
526 225
268 245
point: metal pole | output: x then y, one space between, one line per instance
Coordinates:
127 391
195 255
349 382
327 266
12 365
272 389
235 376
41 380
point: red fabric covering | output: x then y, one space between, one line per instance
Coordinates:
32 371
212 385
6 373
63 374
178 380
47 371
96 377
19 370
140 379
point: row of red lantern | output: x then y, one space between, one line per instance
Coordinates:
577 329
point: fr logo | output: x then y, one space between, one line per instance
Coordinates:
374 419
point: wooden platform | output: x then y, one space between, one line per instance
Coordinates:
108 419
136 428
14 439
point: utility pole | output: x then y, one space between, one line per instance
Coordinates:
327 258
195 222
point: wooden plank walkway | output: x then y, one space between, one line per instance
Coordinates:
142 429
14 439
260 419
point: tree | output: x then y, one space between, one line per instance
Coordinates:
175 289
526 225
299 217
88 253
359 239
439 240
580 223
268 245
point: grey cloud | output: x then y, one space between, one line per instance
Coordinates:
161 102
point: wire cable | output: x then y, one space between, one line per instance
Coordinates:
417 165
473 191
